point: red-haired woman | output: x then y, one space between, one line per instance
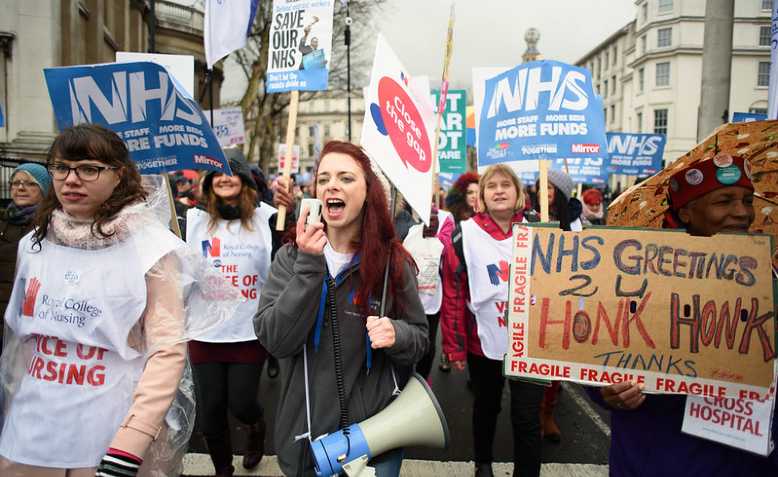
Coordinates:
317 313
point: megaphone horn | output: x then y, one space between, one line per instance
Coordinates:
413 419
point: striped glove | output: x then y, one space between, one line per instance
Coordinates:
117 463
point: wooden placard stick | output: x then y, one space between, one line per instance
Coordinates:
442 106
294 101
543 192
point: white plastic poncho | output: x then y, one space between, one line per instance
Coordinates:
82 322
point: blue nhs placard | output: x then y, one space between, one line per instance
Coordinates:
163 128
540 110
635 154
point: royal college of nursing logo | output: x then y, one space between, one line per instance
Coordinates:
30 296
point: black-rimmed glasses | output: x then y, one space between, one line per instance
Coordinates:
86 172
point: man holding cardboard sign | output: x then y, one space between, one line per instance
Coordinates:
706 198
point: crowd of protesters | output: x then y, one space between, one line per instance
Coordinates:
311 305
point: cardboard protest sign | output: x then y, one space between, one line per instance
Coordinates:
635 154
539 110
452 148
300 49
163 128
281 148
228 126
679 314
742 423
397 129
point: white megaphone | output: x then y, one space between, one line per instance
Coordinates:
413 419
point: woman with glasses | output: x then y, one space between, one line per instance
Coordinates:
29 184
96 317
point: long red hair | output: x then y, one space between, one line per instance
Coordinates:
376 234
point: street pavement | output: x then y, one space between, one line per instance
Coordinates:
583 451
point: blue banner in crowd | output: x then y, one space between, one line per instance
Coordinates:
163 128
2 117
540 110
447 179
635 154
748 117
583 170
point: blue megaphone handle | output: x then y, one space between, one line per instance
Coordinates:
327 449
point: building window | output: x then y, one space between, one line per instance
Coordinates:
613 113
764 36
613 84
598 90
645 12
763 78
615 54
599 67
605 115
641 79
767 4
757 110
664 37
663 74
605 88
664 6
643 44
606 60
310 149
640 122
326 130
660 121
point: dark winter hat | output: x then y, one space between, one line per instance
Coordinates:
239 168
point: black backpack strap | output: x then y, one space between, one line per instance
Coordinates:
456 242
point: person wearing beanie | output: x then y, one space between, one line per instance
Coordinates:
593 210
30 183
227 363
708 197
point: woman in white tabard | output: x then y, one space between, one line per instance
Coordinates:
475 291
96 319
234 235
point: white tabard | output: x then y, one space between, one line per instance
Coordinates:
243 256
487 275
73 310
426 252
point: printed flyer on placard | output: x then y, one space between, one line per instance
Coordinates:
676 313
228 126
540 110
163 128
300 48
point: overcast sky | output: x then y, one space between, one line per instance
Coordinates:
486 33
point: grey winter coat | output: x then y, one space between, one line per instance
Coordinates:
285 323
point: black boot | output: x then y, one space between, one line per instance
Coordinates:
483 469
255 445
272 367
220 450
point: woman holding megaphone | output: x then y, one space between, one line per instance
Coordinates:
318 312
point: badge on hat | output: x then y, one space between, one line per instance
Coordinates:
728 175
723 160
694 177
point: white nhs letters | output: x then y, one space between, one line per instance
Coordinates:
526 89
84 93
629 144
